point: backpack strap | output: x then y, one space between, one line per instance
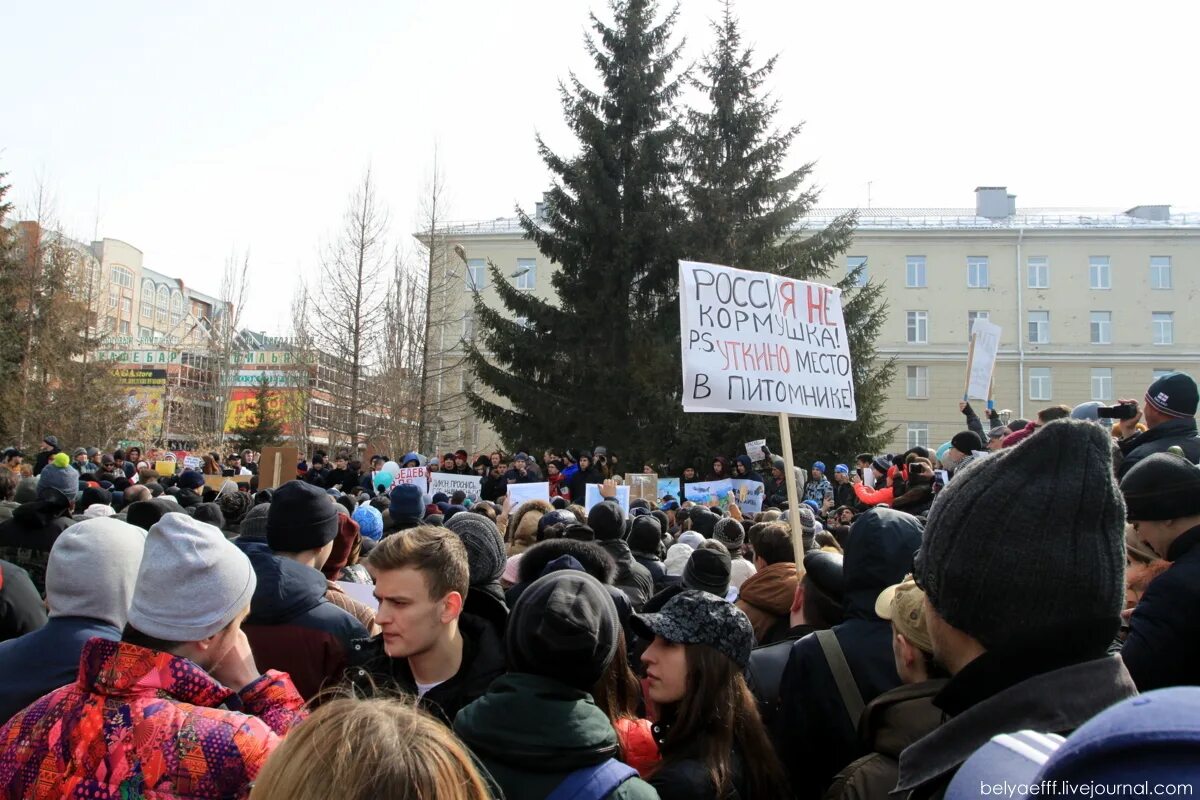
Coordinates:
842 675
595 782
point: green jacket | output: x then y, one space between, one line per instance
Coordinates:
530 732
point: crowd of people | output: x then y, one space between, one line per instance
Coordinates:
347 635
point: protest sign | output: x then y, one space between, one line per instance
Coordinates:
450 483
759 343
277 466
643 486
981 359
216 482
164 468
593 497
668 487
704 491
757 450
415 476
749 495
521 492
193 462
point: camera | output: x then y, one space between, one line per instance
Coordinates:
1119 411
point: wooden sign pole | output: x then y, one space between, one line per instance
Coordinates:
970 360
793 493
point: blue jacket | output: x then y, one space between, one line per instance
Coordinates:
1163 645
40 662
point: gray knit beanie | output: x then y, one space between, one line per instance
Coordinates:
1026 547
192 581
65 479
485 547
729 532
254 524
93 568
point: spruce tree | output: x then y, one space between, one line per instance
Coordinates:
746 210
266 429
583 371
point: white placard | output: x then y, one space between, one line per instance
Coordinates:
193 462
593 497
986 336
757 450
450 483
415 476
522 492
758 343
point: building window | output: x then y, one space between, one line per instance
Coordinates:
1102 384
124 327
1039 383
1101 327
977 272
918 327
1163 323
114 297
918 434
145 335
147 299
1160 272
853 263
914 272
918 383
176 308
1038 269
476 274
974 315
164 301
468 326
1039 327
1099 272
122 277
126 307
526 274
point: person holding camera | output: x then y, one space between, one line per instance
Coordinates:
1170 415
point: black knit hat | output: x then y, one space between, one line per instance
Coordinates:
966 442
704 522
1026 548
607 519
301 517
1161 486
565 627
145 513
708 571
729 532
646 535
210 513
92 496
1174 395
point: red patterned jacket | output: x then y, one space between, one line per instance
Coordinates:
144 724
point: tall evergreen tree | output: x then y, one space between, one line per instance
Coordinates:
746 210
266 428
582 371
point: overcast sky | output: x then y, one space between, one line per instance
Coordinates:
195 130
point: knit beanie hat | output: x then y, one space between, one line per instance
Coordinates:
94 495
254 524
729 532
234 506
607 519
301 517
1161 486
26 490
966 442
708 571
407 502
190 479
485 547
691 539
210 513
92 570
145 513
677 558
704 522
98 510
65 479
192 582
451 511
1174 395
1045 570
645 535
370 521
565 627
555 517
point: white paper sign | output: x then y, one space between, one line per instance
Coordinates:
757 450
414 476
193 462
593 497
762 344
754 492
521 492
983 358
450 483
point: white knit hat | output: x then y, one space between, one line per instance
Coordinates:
192 582
93 568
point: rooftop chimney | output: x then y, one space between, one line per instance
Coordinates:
994 202
1150 213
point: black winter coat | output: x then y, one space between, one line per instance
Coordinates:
1163 645
26 539
21 609
579 482
658 573
632 578
685 776
1174 433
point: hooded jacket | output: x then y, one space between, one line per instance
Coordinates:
727 470
530 732
814 719
766 597
890 723
523 525
143 723
293 628
26 539
375 673
750 475
631 578
1179 433
577 483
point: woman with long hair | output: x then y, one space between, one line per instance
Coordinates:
618 695
712 740
363 749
